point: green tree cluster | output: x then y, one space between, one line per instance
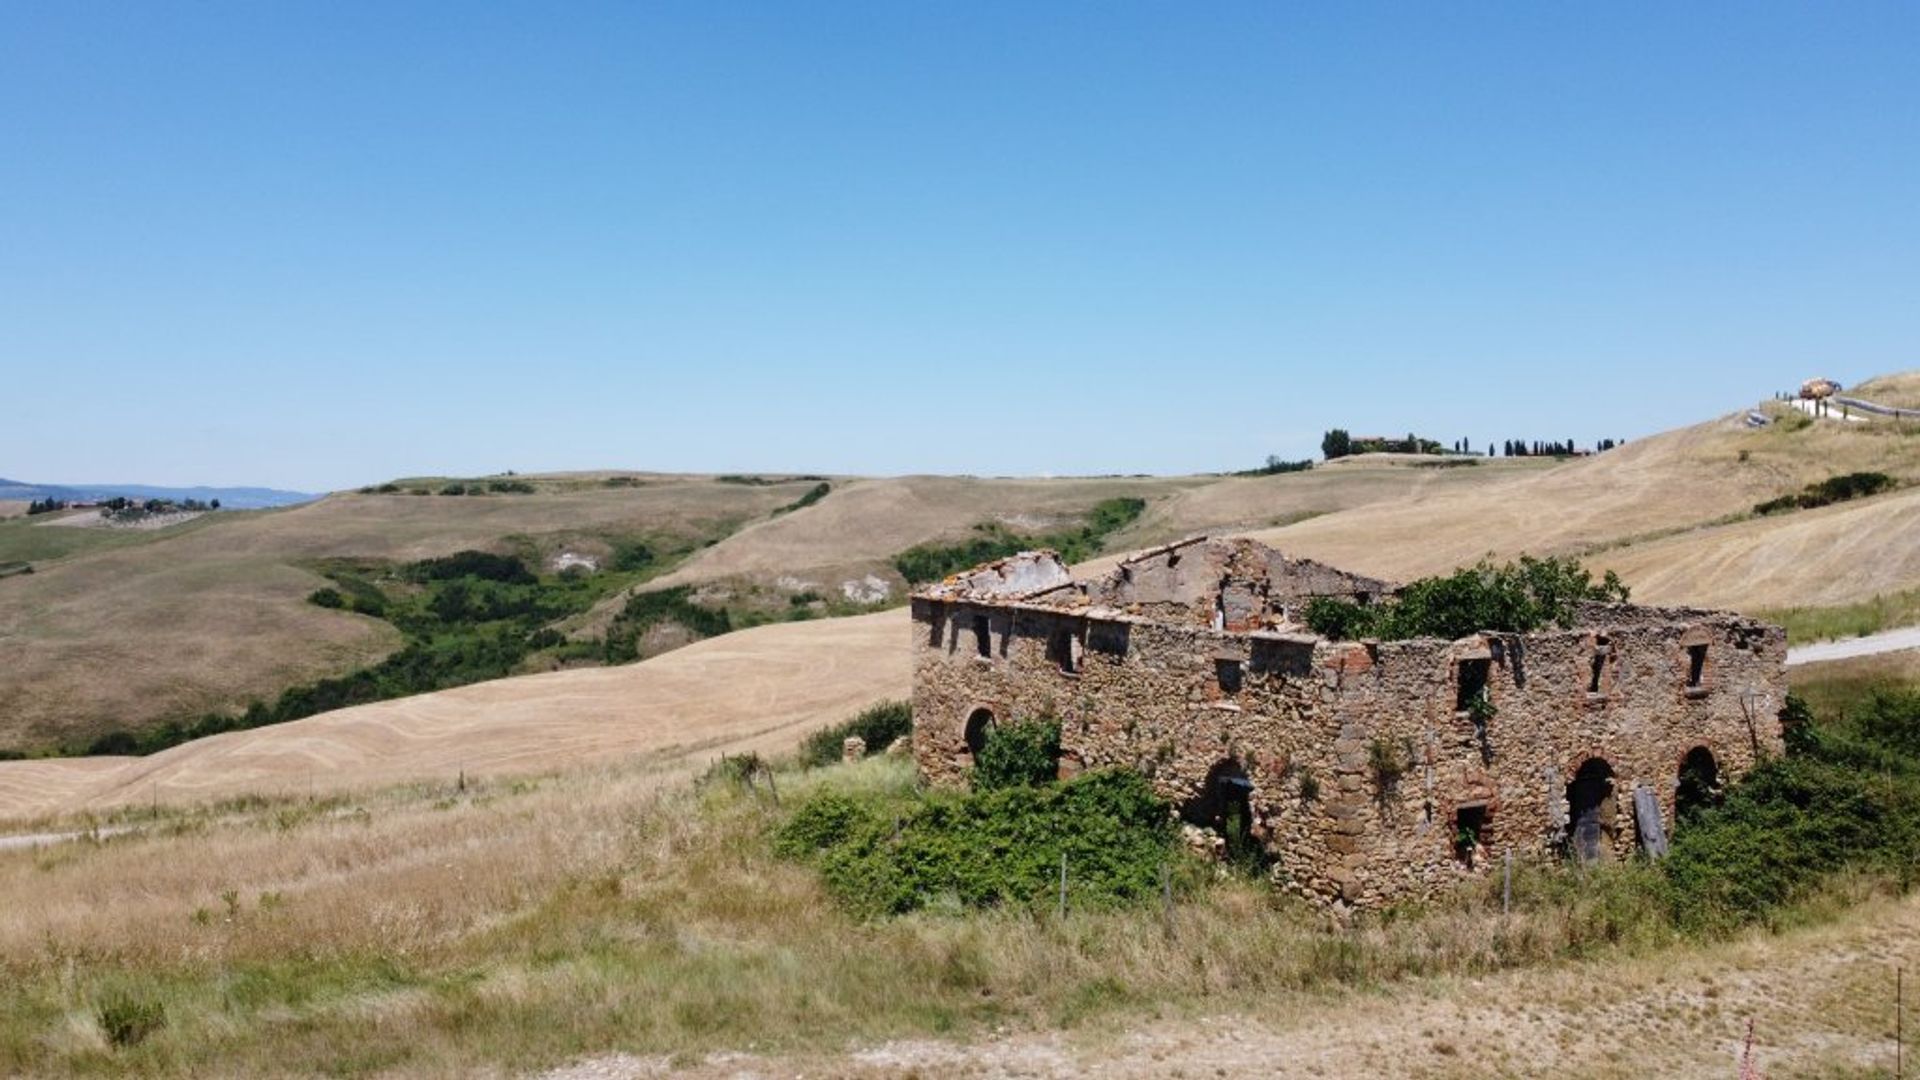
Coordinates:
1514 598
992 540
1834 489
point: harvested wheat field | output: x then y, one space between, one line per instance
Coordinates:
866 522
213 614
755 690
1676 486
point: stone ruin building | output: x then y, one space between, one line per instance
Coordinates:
1359 772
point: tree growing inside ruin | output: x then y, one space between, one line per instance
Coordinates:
1517 597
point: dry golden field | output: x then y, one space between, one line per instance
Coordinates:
1901 390
753 690
120 628
866 522
1676 490
515 877
207 614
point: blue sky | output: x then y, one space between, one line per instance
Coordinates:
315 246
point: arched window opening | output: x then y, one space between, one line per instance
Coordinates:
1696 666
979 726
1592 814
1699 787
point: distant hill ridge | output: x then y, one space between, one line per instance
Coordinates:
232 498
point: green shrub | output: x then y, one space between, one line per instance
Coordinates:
631 555
878 724
1339 620
1846 796
828 820
476 564
1023 754
988 848
1514 598
1276 465
127 1019
814 494
645 610
327 598
1834 489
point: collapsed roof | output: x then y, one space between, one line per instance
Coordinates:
1237 585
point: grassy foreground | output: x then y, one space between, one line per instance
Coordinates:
459 929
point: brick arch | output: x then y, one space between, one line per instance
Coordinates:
1593 810
978 721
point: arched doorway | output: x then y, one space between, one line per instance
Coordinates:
1224 804
1592 815
1699 787
979 726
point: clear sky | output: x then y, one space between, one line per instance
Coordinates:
319 245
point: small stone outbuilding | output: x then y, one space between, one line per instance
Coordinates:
1362 772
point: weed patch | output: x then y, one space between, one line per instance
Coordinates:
878 725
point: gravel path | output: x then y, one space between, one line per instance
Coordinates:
1906 637
33 840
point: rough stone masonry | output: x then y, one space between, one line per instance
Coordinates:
1360 772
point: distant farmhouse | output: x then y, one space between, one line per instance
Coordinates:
1363 772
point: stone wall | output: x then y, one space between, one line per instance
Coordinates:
1360 757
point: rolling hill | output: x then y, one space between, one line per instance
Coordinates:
1671 512
233 498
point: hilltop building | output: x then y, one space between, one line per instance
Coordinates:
1363 772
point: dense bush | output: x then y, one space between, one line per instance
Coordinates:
814 494
475 564
878 724
881 856
1276 465
992 540
646 610
1018 755
1513 598
632 555
127 1019
1846 796
1834 489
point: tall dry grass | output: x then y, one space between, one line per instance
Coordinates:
429 931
